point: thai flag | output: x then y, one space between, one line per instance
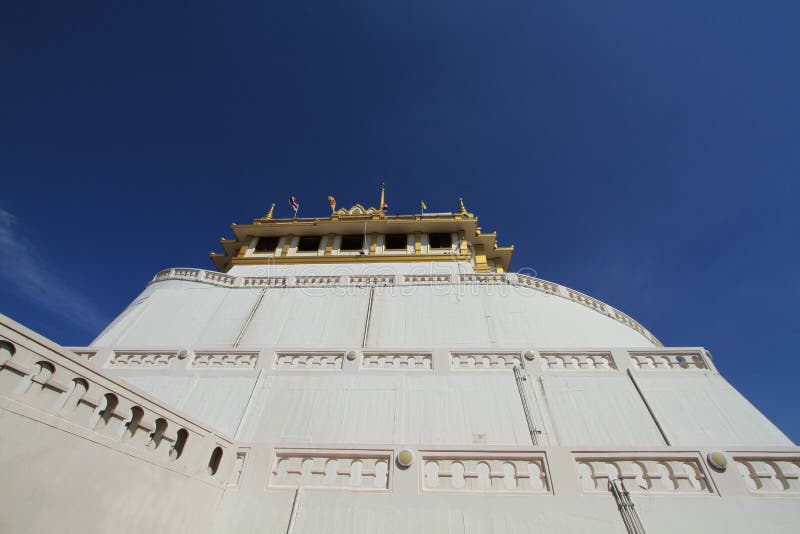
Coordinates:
294 204
385 206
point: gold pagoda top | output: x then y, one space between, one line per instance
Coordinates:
364 235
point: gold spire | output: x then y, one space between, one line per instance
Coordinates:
269 213
383 190
461 209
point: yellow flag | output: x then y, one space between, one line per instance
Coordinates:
332 201
423 205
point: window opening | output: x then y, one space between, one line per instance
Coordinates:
440 240
395 242
309 243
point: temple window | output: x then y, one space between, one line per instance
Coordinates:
266 244
213 463
157 433
309 243
352 243
440 240
132 424
180 442
110 402
395 242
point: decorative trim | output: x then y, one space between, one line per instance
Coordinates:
333 469
397 361
770 474
141 359
224 360
668 361
87 355
481 361
308 361
577 361
484 472
644 473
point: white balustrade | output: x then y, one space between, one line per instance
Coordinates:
141 359
265 281
668 361
770 474
537 283
586 300
644 474
397 361
308 361
317 281
484 360
224 360
426 278
69 396
577 361
332 469
372 280
483 278
484 471
86 354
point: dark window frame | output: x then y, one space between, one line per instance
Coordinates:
303 244
260 249
436 240
346 246
389 237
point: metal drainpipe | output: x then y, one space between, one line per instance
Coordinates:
249 317
649 409
293 512
368 318
520 378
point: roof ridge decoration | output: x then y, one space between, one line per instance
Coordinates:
356 211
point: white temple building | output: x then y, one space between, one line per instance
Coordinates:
365 373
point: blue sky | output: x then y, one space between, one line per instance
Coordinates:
646 153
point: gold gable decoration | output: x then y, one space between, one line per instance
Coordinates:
357 211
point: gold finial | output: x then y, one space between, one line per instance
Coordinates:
383 196
461 209
269 213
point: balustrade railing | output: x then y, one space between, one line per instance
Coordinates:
644 473
489 472
775 473
44 382
333 469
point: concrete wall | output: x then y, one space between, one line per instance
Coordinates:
54 480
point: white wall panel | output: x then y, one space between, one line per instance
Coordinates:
224 326
597 410
379 409
216 400
703 409
467 409
427 316
124 321
524 316
323 409
174 316
309 317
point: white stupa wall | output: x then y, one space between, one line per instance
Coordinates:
179 313
437 405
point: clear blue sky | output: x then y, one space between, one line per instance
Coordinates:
646 153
